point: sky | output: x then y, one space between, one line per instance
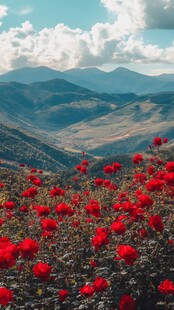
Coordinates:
64 34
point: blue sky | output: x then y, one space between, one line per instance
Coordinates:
62 34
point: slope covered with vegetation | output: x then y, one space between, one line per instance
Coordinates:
95 243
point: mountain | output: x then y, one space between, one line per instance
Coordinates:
18 146
77 118
29 75
54 105
118 81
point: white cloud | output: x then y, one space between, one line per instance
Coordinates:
3 12
25 10
62 48
141 14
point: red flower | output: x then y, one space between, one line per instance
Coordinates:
64 209
155 221
128 253
42 210
144 233
49 224
9 205
155 185
140 177
165 140
57 191
116 167
42 271
21 165
157 141
28 248
119 227
63 294
100 284
169 178
101 238
137 159
93 208
145 200
37 182
33 170
7 259
170 166
87 290
1 185
150 170
31 192
98 182
117 206
93 263
85 162
127 303
108 169
5 296
166 287
24 209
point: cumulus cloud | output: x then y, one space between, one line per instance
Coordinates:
62 48
142 14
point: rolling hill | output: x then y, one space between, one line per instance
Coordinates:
76 118
19 146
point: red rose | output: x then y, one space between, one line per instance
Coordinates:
93 208
127 303
49 224
155 221
64 209
100 284
42 271
157 141
137 159
85 162
169 178
145 200
108 169
128 253
42 210
166 287
31 192
116 167
87 290
119 227
155 185
7 259
28 248
57 191
100 239
98 182
5 296
9 205
63 294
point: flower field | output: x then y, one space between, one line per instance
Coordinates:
96 243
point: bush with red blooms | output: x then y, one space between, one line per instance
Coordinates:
166 287
63 294
127 303
128 253
6 296
42 271
90 242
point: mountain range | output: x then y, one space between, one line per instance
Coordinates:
59 118
120 80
